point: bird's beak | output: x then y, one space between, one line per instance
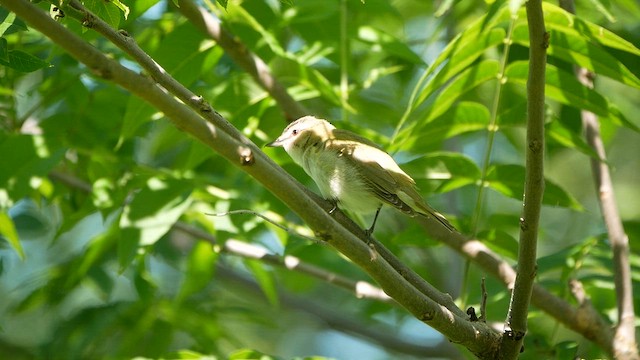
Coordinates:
275 143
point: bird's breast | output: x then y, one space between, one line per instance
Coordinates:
338 179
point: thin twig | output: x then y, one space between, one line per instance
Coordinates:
483 302
269 220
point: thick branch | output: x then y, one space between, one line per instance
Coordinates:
475 336
516 322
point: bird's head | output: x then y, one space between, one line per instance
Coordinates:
303 132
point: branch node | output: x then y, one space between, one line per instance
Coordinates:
545 40
246 156
535 146
88 20
523 224
427 316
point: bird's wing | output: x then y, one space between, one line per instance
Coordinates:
346 135
382 182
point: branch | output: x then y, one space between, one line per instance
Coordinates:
477 337
516 322
624 344
248 61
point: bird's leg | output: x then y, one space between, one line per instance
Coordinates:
369 231
335 205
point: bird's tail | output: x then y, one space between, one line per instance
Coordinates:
441 219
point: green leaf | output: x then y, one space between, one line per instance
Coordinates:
247 354
8 231
467 46
23 62
4 50
240 14
454 170
124 8
200 269
580 51
9 23
564 136
500 241
558 19
467 80
223 3
464 117
509 180
31 157
465 49
390 44
151 213
181 55
265 280
106 10
563 87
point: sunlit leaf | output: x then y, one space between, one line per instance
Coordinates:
467 80
558 19
151 213
105 10
574 48
8 231
463 117
563 87
391 45
451 170
466 50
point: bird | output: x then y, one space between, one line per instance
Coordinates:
352 172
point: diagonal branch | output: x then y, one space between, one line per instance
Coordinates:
516 322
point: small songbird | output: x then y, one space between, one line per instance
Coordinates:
351 171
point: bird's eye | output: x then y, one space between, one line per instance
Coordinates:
294 132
